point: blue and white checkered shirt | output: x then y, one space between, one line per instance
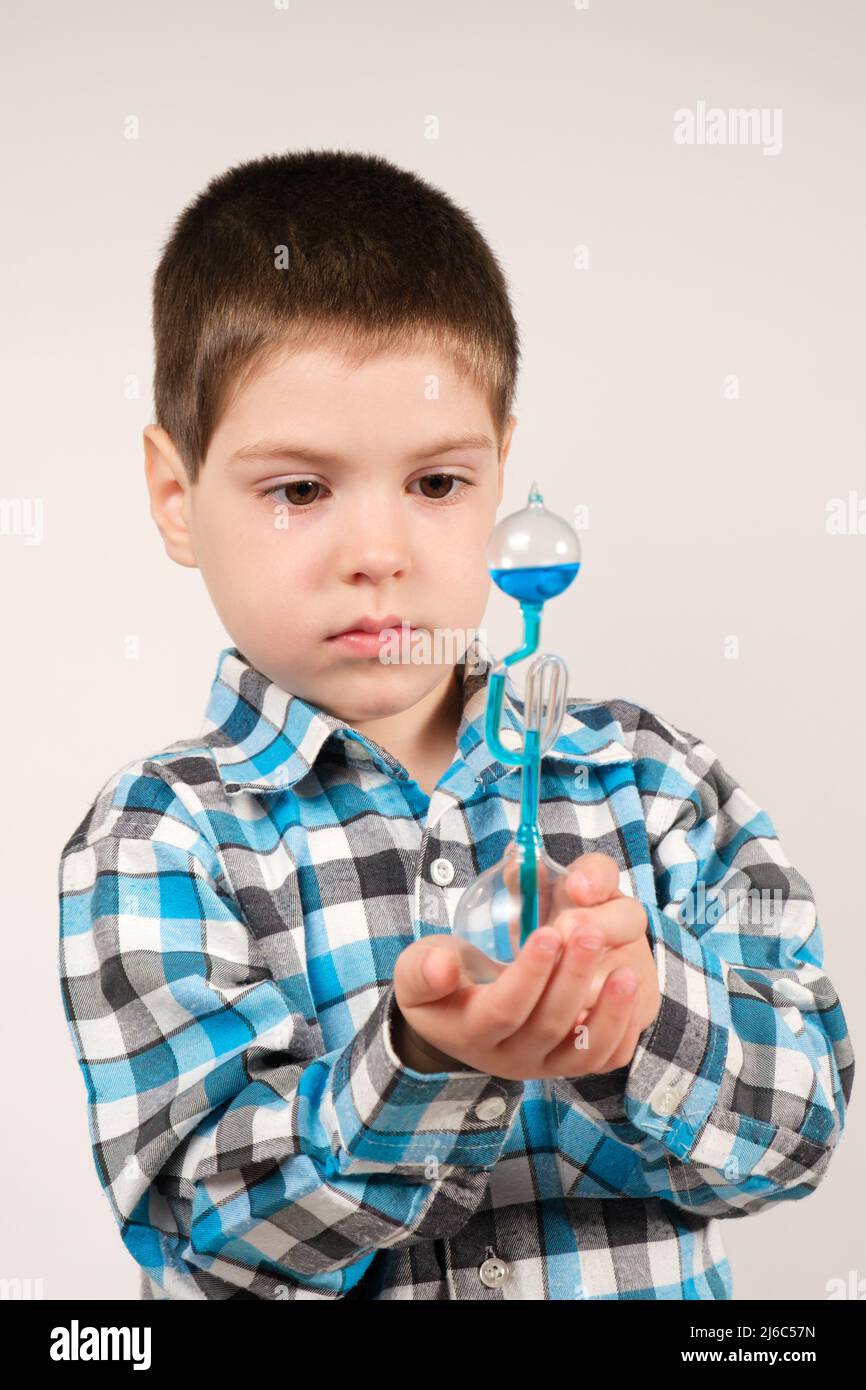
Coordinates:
231 910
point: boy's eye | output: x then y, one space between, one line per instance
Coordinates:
439 484
303 492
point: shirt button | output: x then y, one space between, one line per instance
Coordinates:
665 1100
493 1273
510 738
442 871
491 1108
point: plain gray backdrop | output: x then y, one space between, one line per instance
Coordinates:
692 326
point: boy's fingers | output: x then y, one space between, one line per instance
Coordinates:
605 1030
591 879
626 1050
617 1025
569 998
620 920
426 971
497 1010
572 987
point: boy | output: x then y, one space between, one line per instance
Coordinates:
293 1090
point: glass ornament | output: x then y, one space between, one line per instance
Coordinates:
533 555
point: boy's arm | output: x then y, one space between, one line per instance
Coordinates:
736 1095
224 1144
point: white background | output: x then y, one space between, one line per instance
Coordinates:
707 515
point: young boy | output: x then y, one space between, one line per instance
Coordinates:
293 1090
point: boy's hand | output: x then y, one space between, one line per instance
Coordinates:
589 899
522 1026
592 883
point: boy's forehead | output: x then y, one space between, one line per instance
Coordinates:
316 397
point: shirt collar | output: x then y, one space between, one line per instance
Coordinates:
265 739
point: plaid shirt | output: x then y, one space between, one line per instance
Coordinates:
231 911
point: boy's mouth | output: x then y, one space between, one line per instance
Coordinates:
366 635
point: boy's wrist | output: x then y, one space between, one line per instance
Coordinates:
417 1052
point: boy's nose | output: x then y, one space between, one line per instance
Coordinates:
376 546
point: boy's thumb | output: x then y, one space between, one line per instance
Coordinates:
426 971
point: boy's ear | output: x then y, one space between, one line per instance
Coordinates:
169 488
503 452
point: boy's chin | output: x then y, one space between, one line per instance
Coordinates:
372 690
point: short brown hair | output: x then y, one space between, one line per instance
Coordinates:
320 247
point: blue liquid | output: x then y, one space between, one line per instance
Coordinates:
535 583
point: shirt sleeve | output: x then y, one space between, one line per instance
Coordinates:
228 1150
736 1095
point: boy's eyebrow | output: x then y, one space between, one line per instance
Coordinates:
284 449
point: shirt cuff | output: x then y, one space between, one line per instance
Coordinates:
674 1078
393 1115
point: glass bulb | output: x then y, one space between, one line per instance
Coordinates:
487 919
533 554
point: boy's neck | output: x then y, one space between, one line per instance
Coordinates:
424 737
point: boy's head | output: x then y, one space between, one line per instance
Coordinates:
336 360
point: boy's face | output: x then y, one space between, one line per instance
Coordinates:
358 521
